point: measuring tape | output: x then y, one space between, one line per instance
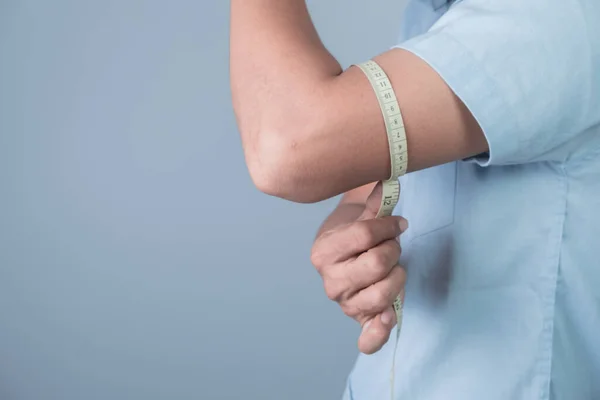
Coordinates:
396 134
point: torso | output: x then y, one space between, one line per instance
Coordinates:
502 300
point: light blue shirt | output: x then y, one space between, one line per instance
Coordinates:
503 252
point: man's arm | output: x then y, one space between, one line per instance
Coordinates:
351 206
311 131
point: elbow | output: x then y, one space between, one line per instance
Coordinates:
278 167
283 150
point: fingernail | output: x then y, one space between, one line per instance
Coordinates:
386 317
403 225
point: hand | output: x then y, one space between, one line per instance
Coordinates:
359 266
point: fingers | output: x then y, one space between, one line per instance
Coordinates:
358 263
376 332
353 239
377 297
373 265
373 203
344 280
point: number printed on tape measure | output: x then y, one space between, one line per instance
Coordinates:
391 109
396 134
389 96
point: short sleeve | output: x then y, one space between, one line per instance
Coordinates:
529 72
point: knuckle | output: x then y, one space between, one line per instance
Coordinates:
375 264
392 249
319 258
379 260
332 290
350 311
401 272
316 257
379 299
364 234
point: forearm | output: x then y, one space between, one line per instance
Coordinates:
344 213
352 206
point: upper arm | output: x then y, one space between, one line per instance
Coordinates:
502 82
439 128
341 143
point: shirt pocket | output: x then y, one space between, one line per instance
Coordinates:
429 199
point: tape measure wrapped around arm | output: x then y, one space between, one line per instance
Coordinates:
396 134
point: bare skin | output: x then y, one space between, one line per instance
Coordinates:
311 131
357 257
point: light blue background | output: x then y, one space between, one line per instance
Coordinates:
137 261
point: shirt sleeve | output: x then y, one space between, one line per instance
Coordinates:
529 72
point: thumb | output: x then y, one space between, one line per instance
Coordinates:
376 332
373 203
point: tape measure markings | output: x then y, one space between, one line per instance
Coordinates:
399 160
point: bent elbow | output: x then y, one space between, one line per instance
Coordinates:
278 168
269 180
